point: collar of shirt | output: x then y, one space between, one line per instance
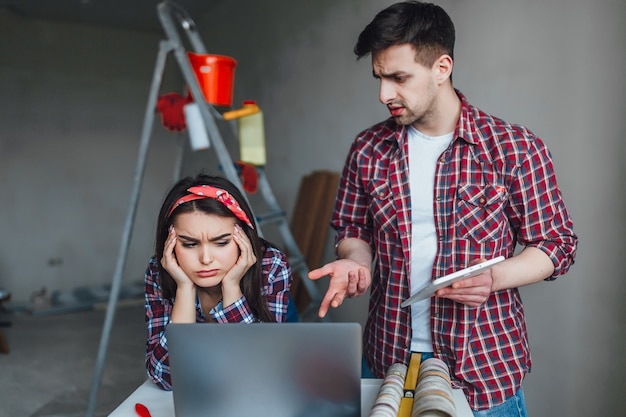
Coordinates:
465 129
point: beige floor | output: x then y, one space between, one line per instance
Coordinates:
50 368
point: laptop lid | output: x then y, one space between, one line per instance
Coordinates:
266 369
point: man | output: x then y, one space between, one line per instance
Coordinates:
437 187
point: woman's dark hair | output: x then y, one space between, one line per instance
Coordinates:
426 26
252 281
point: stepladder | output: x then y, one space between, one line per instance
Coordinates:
176 22
183 41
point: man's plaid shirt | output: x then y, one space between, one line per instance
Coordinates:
495 187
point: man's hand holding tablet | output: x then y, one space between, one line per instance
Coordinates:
445 281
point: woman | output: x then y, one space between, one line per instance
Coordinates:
210 266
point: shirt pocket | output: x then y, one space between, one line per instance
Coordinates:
480 212
382 207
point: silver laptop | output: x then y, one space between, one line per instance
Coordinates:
266 369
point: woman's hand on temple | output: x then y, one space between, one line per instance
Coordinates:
170 263
244 262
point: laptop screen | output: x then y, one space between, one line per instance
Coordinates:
266 369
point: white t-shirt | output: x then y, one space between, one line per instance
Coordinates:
424 151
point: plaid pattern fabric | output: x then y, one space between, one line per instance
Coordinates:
494 188
277 273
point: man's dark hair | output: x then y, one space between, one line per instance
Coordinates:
426 26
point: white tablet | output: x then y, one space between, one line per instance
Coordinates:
448 280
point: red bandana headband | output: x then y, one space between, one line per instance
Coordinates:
206 191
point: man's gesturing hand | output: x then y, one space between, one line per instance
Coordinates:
347 279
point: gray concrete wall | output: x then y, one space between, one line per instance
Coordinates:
72 104
73 100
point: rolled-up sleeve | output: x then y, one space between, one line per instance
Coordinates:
278 278
350 216
158 313
544 220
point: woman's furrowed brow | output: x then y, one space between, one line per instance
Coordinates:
220 237
195 240
188 238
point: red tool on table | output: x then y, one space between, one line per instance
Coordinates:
142 410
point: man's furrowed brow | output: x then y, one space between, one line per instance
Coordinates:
396 74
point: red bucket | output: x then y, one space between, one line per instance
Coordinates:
216 77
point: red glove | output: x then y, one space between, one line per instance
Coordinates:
249 176
170 107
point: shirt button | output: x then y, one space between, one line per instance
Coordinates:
438 199
481 201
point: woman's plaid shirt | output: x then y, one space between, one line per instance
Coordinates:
277 274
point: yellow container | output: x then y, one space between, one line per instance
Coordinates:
252 137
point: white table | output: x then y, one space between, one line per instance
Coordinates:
161 403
